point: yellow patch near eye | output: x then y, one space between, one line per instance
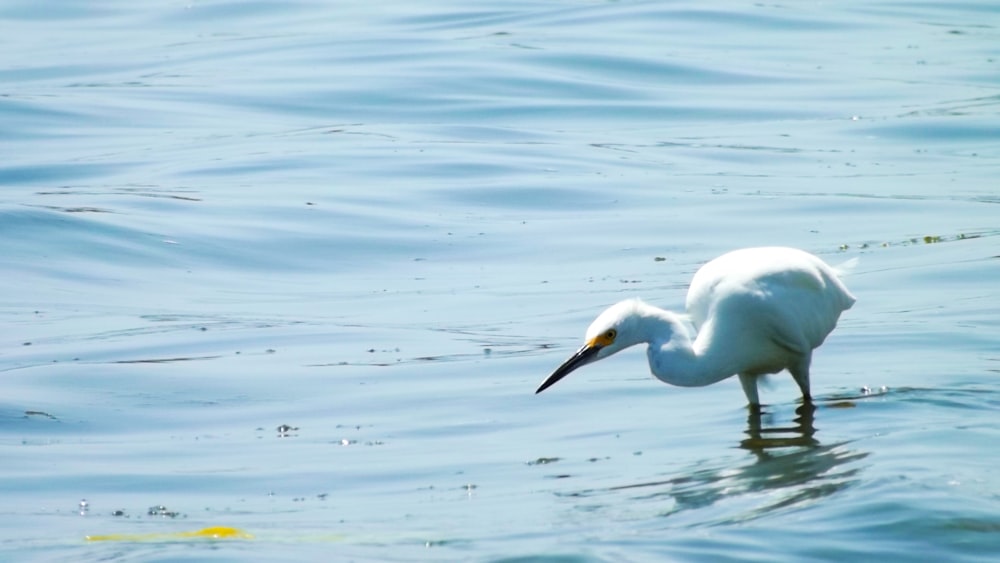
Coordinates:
604 339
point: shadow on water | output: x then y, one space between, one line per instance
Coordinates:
789 468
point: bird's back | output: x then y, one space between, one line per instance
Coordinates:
767 298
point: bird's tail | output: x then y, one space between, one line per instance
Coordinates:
846 267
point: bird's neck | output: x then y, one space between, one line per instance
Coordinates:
675 359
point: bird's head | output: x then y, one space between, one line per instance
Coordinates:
612 331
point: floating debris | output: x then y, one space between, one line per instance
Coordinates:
543 461
214 533
842 405
164 360
926 239
160 510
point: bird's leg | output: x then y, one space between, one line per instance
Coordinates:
749 383
800 373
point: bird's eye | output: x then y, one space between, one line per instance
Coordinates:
611 334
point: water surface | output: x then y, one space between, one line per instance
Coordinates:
298 268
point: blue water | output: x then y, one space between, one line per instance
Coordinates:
297 269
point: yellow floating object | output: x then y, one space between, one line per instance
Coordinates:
213 532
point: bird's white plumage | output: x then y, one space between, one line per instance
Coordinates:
749 312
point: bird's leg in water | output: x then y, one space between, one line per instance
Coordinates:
749 383
801 375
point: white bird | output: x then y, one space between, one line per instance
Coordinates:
756 311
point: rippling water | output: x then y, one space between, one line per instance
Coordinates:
297 268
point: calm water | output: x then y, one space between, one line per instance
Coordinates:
297 269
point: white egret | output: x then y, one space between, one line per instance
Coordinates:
750 312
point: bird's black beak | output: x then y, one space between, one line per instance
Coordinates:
582 357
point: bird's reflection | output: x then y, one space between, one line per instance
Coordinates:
800 433
789 466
